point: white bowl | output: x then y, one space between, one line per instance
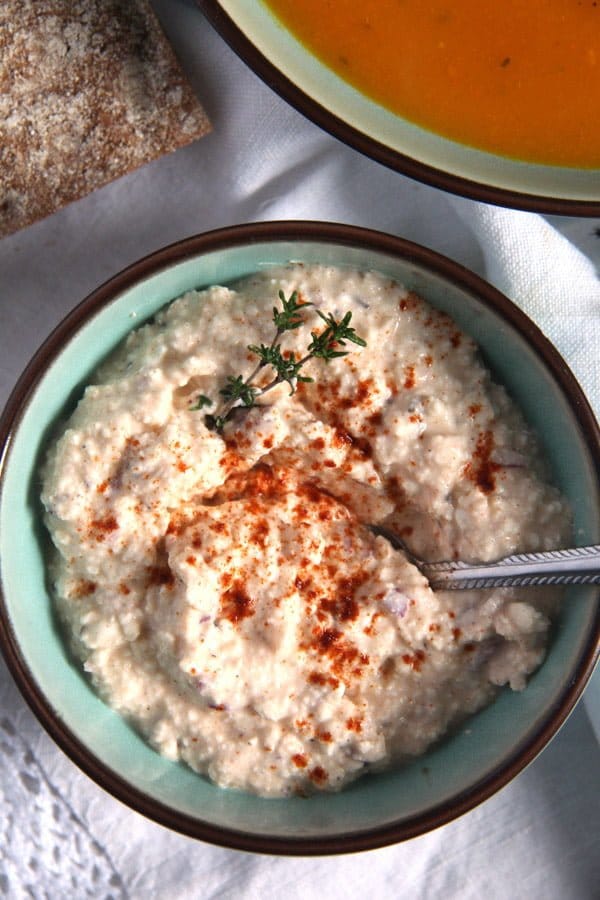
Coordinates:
289 68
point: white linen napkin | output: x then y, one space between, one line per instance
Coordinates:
548 277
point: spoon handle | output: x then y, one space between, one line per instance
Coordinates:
580 565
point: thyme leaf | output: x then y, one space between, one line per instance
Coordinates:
289 317
238 389
323 345
201 401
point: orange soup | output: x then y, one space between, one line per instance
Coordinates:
520 78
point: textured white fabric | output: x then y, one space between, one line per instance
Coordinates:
555 284
60 835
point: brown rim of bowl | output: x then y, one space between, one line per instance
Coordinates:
371 147
333 234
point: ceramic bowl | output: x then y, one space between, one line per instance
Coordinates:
455 775
321 95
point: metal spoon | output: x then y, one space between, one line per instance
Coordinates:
578 565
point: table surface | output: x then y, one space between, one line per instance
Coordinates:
60 834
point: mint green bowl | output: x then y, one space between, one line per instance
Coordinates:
458 773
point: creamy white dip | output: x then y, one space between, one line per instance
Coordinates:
224 593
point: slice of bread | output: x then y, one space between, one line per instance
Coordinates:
89 90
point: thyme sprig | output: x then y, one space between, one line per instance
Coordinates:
240 392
